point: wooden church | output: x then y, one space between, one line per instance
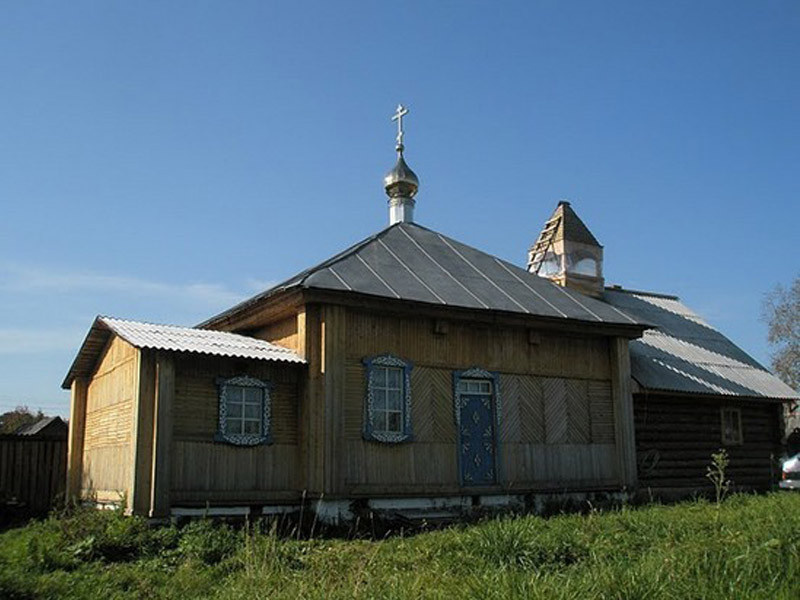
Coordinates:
414 374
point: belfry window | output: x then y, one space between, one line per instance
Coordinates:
387 410
244 411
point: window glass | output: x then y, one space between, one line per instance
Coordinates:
244 411
387 418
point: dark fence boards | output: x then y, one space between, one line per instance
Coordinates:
33 472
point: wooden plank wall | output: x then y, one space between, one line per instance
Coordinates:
107 451
282 333
203 470
32 471
556 423
683 433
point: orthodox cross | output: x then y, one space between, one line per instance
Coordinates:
398 116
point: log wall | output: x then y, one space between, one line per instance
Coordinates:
676 436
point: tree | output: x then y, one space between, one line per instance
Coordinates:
781 312
21 416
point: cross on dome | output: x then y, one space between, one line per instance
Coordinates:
398 116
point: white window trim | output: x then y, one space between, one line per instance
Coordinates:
245 439
370 433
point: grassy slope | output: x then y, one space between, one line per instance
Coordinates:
748 548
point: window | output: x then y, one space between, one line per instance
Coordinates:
387 415
731 426
475 387
244 411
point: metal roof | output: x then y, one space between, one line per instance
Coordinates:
37 427
174 339
686 354
409 262
571 228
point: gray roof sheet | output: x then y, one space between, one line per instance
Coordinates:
409 262
37 427
686 354
175 339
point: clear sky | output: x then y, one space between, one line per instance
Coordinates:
162 160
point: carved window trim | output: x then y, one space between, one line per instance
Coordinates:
370 432
245 439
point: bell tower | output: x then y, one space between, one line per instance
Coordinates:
567 253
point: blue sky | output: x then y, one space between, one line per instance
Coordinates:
162 160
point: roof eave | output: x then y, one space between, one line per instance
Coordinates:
97 329
343 297
711 396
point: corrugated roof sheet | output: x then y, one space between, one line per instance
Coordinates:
686 354
175 339
202 341
409 262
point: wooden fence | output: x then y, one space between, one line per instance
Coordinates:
33 472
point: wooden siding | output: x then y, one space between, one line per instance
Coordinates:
204 470
676 436
107 451
504 349
556 426
283 333
32 471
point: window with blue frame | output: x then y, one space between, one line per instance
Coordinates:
387 410
244 411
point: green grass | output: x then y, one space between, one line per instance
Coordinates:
747 548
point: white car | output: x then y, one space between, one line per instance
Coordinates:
790 473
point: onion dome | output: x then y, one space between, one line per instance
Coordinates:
401 181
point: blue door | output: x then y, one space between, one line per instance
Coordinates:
476 439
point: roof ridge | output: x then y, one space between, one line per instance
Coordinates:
619 288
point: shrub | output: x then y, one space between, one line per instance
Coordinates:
208 542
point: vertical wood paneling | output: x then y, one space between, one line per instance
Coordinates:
33 471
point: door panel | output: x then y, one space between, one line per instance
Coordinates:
477 448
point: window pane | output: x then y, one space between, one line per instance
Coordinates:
484 387
233 426
252 411
253 394
379 399
394 422
234 410
252 427
379 376
234 393
393 379
379 420
393 400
